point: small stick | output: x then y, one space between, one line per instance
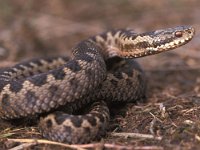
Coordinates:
40 141
133 147
31 142
114 146
136 135
23 146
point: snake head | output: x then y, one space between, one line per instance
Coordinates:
167 39
149 43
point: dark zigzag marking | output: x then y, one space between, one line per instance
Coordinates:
77 121
16 86
38 80
49 123
3 84
100 116
91 120
73 65
58 74
60 117
5 100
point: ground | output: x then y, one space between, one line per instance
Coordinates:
167 119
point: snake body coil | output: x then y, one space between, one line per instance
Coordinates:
90 76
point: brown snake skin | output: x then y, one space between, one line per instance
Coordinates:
99 72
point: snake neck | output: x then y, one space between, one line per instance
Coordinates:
128 44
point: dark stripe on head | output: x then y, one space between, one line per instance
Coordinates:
128 46
142 45
159 43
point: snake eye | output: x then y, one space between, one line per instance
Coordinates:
178 34
189 32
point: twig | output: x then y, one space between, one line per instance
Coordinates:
40 141
119 147
136 135
152 124
113 146
23 146
155 117
30 142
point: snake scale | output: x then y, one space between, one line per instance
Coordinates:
101 71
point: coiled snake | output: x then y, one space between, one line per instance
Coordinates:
98 73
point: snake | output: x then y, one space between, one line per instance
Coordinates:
72 95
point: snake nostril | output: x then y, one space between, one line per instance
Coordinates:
178 34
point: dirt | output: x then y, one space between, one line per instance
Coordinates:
168 118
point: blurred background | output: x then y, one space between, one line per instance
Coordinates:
33 28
